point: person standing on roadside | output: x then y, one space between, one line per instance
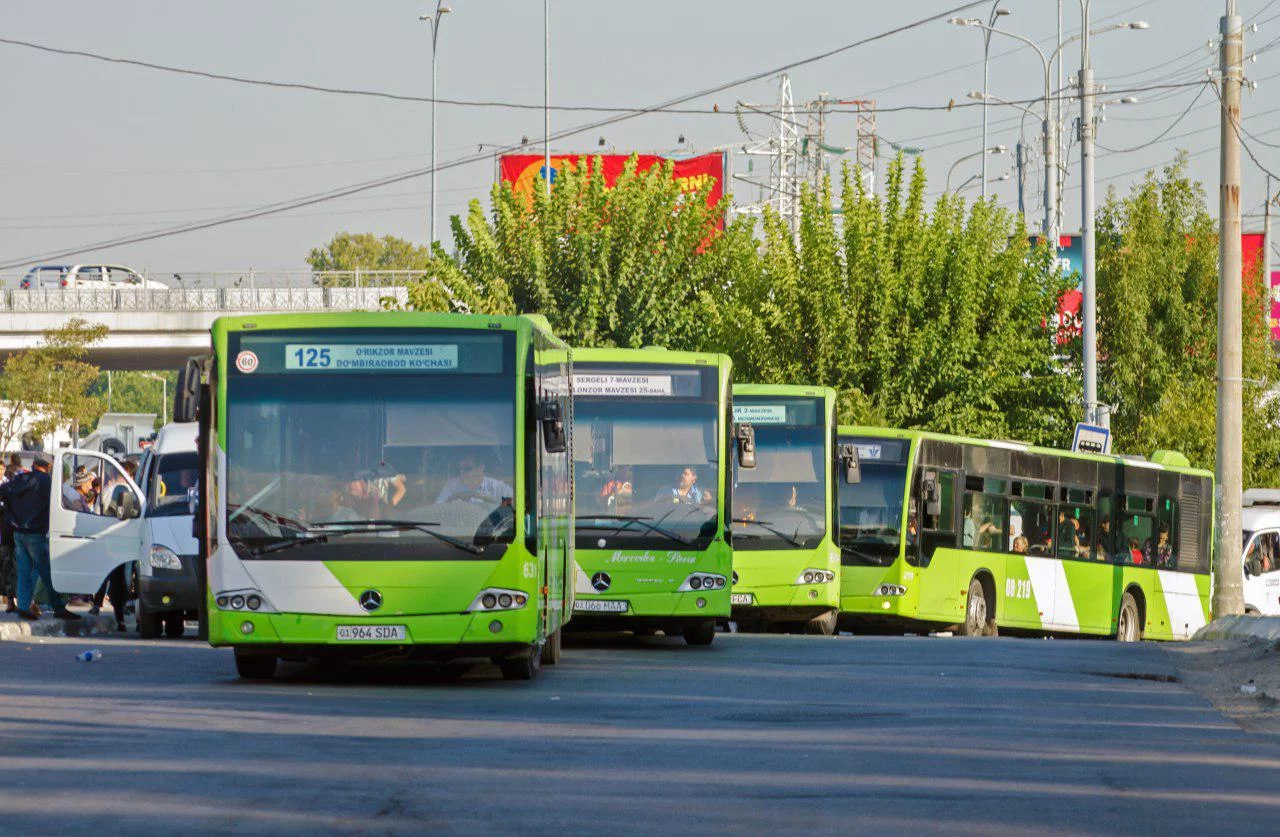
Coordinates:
8 564
26 498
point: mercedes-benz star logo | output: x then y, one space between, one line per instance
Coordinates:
601 582
371 600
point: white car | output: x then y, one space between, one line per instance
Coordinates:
1260 520
52 276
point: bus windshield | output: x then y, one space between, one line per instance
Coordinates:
647 467
371 465
781 503
871 510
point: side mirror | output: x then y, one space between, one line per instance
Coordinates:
186 395
193 500
932 497
1252 567
552 422
851 463
745 436
127 508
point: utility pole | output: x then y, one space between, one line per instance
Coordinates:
433 20
1266 252
546 94
1228 596
1088 274
1021 163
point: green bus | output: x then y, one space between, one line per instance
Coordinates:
385 485
983 536
651 484
786 566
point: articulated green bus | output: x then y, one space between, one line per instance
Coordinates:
650 480
946 531
786 566
386 485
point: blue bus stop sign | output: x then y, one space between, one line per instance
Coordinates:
1090 438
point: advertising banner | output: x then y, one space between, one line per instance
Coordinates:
706 171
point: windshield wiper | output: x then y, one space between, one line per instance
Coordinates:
374 526
764 524
282 545
633 518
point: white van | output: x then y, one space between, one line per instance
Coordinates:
1260 520
145 522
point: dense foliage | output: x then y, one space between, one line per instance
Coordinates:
923 317
49 386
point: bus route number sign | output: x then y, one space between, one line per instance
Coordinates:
375 356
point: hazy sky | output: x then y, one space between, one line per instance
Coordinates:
94 151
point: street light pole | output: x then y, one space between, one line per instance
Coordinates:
434 22
546 94
995 149
1088 274
996 13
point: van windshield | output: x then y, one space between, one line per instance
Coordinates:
172 484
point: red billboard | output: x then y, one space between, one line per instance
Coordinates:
704 172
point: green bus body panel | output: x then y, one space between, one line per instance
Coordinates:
1039 594
769 575
428 597
647 578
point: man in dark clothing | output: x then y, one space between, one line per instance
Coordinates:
26 498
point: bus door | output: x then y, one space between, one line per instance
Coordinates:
95 522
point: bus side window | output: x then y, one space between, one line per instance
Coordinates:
937 498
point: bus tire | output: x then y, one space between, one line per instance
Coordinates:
551 649
523 666
149 622
824 625
977 612
175 624
1129 620
700 633
252 666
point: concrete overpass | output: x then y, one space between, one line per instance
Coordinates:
160 328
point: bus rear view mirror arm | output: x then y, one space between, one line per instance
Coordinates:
851 463
932 500
553 435
745 436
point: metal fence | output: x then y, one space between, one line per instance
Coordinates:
230 299
253 278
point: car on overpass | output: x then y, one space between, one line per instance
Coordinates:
54 276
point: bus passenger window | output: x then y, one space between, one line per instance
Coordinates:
983 521
1075 531
1030 527
937 495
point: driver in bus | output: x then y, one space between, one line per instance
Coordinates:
686 491
472 482
369 493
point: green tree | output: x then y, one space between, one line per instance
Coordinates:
920 319
49 385
1158 328
133 392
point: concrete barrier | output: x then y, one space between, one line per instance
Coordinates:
1253 627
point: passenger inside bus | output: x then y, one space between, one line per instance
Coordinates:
1020 545
1104 539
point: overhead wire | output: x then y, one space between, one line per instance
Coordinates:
320 197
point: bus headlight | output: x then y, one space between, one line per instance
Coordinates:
812 576
702 581
492 599
163 558
243 600
890 590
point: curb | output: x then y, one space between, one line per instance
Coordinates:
1249 627
21 630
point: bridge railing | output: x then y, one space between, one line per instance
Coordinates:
228 299
254 278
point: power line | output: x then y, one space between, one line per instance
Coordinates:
308 200
1158 136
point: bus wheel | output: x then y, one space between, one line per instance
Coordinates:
551 649
1128 625
149 622
175 624
700 633
523 666
824 625
252 666
976 610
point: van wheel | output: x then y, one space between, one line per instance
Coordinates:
523 666
149 623
252 666
1128 623
551 649
175 624
975 611
700 633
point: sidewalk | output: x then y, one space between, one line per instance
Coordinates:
14 629
1243 627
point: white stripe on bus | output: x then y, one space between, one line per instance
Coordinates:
1182 598
1052 593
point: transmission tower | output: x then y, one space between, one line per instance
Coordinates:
782 147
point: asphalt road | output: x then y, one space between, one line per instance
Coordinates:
754 734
